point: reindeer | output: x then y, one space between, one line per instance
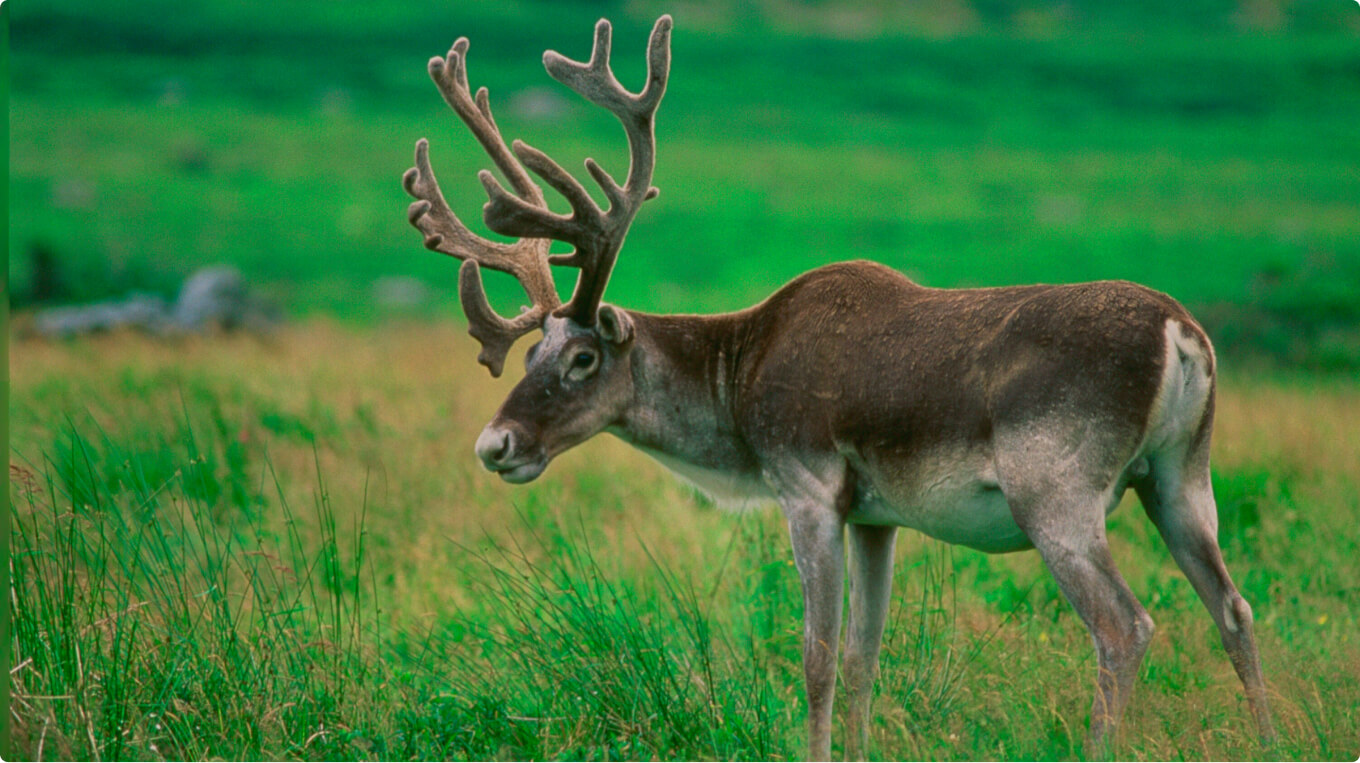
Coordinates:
1001 418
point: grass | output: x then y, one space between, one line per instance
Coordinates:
282 548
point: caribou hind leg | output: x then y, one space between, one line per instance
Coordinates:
1180 502
1068 530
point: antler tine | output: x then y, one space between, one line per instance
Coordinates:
450 76
495 333
596 235
525 259
595 81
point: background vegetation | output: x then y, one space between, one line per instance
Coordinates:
1206 149
281 546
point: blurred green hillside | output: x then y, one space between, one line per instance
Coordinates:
1207 149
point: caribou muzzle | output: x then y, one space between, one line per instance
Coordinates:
509 452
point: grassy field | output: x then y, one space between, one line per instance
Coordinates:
284 548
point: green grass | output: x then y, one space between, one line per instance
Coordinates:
162 618
285 549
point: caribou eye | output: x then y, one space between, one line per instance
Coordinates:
582 365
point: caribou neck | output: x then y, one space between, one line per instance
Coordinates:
684 371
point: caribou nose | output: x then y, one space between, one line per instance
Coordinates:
495 446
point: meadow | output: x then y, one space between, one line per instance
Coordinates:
282 546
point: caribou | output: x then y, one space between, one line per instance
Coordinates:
1000 419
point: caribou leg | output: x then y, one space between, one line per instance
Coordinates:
871 566
1069 533
1181 505
818 535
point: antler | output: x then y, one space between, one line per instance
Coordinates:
596 235
525 259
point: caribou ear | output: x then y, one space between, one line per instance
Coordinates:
614 325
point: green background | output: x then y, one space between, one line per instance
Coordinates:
1206 149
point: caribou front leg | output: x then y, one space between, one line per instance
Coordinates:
818 534
871 566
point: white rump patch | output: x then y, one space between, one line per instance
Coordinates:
1184 389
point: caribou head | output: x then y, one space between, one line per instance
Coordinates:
577 377
577 382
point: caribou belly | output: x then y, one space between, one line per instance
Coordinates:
957 501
